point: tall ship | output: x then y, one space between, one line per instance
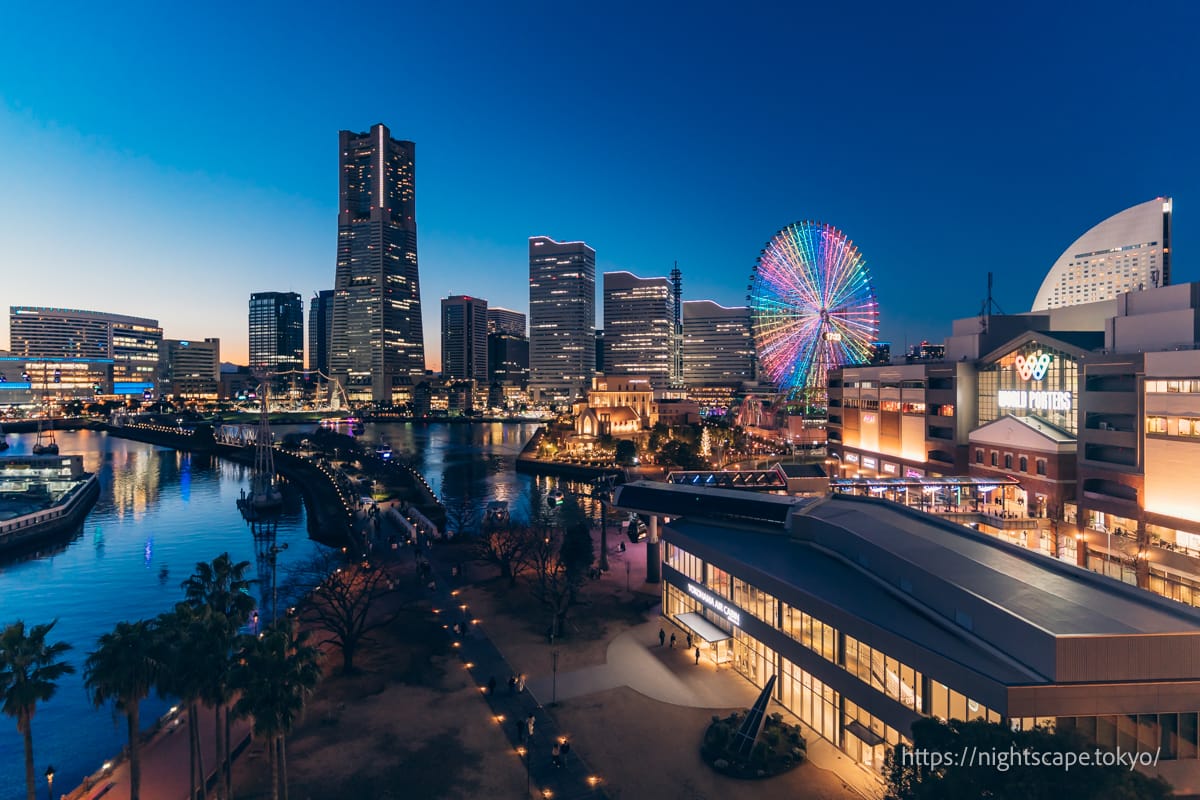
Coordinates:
264 493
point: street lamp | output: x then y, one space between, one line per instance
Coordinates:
50 782
554 680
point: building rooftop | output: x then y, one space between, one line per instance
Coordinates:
1058 598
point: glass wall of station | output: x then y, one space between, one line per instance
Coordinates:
820 707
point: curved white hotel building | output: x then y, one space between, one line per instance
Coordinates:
1128 252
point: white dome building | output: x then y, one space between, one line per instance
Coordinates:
1127 252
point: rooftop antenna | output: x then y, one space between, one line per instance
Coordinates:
989 305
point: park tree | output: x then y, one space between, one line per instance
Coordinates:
222 587
344 606
29 671
274 676
911 778
505 546
626 452
123 669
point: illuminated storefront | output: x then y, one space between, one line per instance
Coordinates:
1036 375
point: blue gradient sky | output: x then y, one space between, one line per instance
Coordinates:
166 162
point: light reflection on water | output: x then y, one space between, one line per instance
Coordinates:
160 512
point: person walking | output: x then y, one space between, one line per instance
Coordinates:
492 681
521 687
529 725
689 641
672 641
556 755
512 683
697 656
565 750
662 637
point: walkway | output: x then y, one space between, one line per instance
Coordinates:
511 709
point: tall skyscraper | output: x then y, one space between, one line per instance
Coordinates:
276 332
562 317
505 320
378 342
717 346
1128 252
465 338
131 342
639 327
320 330
508 359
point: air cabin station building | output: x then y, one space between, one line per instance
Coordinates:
873 615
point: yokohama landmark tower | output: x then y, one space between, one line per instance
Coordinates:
377 342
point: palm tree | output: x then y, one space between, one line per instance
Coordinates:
29 671
123 669
275 675
222 587
187 660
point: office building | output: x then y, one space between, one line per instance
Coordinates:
718 348
378 344
320 331
131 343
1128 252
505 320
190 369
639 327
465 338
562 318
276 332
872 615
508 359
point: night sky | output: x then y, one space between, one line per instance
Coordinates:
167 161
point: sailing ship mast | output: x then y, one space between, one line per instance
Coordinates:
264 493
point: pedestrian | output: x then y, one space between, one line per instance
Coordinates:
492 679
521 686
697 656
529 725
662 637
689 641
564 751
672 640
556 755
512 683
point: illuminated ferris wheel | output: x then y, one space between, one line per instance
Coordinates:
812 308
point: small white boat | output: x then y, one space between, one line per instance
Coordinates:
384 451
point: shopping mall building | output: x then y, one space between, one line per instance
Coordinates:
873 615
1089 414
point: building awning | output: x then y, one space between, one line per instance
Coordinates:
869 737
702 627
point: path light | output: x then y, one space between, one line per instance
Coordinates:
469 665
499 718
593 780
547 794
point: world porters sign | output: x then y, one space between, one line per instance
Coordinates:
1034 401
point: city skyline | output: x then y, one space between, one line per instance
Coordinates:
942 152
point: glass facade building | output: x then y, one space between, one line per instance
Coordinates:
378 341
872 616
562 318
276 332
131 342
465 338
639 324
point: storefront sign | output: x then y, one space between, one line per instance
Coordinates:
716 604
890 469
1034 401
1034 367
851 458
869 462
909 472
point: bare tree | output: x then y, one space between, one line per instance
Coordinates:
508 547
343 604
462 515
